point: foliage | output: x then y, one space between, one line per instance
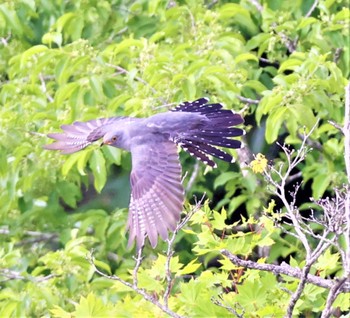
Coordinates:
283 64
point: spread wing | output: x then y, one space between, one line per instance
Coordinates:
157 194
79 135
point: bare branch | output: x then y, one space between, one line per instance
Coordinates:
230 309
168 105
334 124
44 89
257 5
13 275
4 41
36 237
138 259
248 100
334 292
313 7
284 269
305 272
193 177
337 54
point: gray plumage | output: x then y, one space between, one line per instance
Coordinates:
157 194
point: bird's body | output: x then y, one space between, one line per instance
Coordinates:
157 194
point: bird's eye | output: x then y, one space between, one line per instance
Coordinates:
114 138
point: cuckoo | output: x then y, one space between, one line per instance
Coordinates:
157 194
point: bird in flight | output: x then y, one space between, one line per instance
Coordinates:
157 194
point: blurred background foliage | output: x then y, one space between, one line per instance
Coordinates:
283 66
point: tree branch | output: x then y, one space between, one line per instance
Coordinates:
13 275
228 308
248 100
284 269
332 295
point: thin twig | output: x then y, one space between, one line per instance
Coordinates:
228 308
334 124
139 291
193 177
313 7
168 105
44 89
4 41
257 5
170 250
138 260
13 275
36 237
248 100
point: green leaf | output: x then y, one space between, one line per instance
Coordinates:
190 268
91 307
305 22
246 57
98 166
274 123
290 64
70 162
104 266
52 37
219 220
189 87
223 178
82 160
69 193
28 54
59 312
320 185
237 201
304 115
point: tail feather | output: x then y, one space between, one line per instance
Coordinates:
216 131
213 151
216 141
191 106
222 132
196 152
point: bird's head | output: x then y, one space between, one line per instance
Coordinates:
117 138
110 139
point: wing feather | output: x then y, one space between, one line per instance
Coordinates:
79 135
157 194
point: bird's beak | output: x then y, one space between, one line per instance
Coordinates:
108 142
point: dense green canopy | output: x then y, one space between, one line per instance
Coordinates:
283 65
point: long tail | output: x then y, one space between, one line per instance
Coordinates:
217 131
